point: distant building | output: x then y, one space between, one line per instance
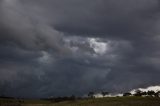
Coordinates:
99 95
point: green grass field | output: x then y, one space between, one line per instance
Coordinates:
115 101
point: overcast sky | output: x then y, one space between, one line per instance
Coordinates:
65 47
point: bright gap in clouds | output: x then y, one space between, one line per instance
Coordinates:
45 58
99 47
89 45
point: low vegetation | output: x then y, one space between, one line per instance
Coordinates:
107 101
149 98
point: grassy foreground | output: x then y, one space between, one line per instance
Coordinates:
115 101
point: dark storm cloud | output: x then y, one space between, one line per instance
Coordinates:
124 18
52 48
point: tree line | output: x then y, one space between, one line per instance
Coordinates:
140 93
150 93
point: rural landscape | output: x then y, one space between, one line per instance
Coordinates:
112 101
79 52
139 98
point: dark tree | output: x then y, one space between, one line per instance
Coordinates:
105 93
150 93
91 94
144 93
127 94
138 93
157 94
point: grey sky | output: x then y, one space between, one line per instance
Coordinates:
55 48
